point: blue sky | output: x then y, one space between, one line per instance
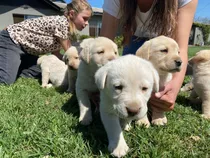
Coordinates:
203 8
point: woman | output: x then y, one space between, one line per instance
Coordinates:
144 19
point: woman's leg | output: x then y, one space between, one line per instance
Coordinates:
9 58
133 46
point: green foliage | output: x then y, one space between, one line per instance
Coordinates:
118 40
81 37
205 29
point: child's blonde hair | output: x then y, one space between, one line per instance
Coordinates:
78 6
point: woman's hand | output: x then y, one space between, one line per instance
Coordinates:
164 100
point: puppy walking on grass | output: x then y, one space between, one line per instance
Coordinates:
201 80
125 86
95 53
163 53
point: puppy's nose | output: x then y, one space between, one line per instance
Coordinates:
178 63
132 111
111 58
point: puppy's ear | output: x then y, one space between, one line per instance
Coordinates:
85 52
156 79
199 58
65 59
85 55
144 50
100 77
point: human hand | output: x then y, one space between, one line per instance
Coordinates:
164 100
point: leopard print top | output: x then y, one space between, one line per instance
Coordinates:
40 35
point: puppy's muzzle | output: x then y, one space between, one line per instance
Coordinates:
178 63
132 111
72 67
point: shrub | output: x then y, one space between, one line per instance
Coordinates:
118 40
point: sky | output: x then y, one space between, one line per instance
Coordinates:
203 8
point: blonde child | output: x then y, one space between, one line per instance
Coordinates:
22 43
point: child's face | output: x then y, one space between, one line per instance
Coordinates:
81 19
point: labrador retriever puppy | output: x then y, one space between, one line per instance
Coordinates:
163 53
95 53
201 80
125 86
72 60
57 72
53 70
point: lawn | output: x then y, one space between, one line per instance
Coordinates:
37 122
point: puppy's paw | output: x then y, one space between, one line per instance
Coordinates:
127 127
86 120
159 121
118 149
49 85
143 122
206 116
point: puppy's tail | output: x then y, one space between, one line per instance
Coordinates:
40 59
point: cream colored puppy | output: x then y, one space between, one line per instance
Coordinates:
95 53
53 70
201 80
72 60
125 86
163 53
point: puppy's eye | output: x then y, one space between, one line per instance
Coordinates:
101 52
120 87
164 50
144 88
115 53
76 57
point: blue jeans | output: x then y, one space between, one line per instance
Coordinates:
133 46
14 61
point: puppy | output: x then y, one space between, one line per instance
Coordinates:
163 53
125 86
72 60
95 53
201 82
53 70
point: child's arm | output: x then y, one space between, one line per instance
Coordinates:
65 45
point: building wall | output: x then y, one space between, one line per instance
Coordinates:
6 17
95 25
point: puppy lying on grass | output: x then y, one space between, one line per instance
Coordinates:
201 80
163 53
95 53
125 86
57 72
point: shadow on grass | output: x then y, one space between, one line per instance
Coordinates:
94 134
184 101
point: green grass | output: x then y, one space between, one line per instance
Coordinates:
193 49
37 122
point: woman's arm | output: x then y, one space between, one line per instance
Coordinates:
109 26
165 99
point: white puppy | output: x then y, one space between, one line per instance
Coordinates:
95 53
125 86
72 60
163 53
53 70
57 72
201 80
